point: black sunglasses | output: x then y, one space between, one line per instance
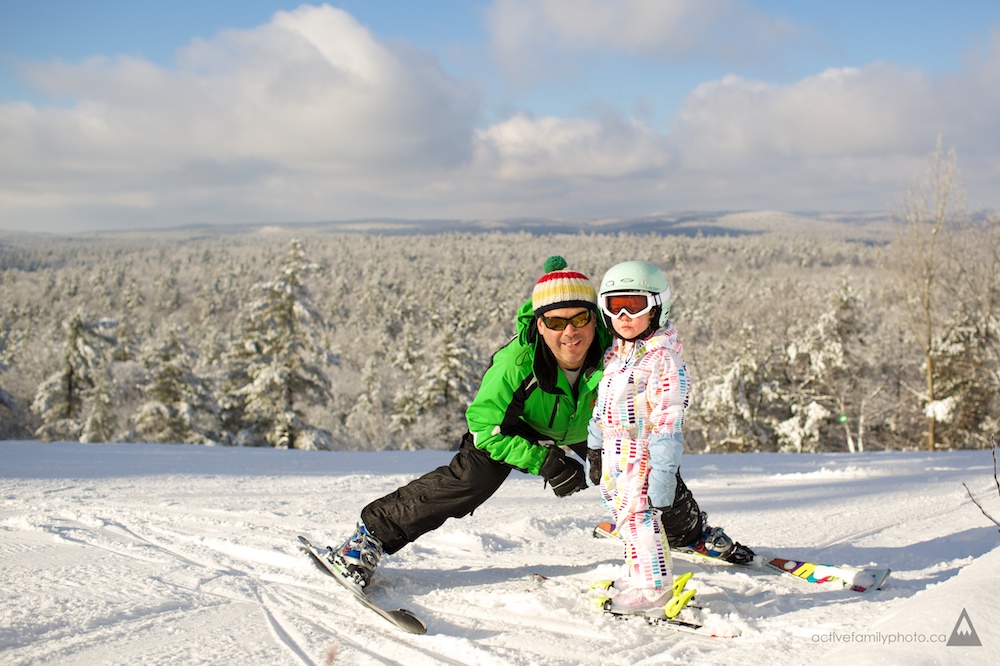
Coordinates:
560 323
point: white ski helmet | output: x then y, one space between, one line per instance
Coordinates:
637 276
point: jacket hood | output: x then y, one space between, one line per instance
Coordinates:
525 321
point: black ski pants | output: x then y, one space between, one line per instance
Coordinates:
451 491
457 489
682 522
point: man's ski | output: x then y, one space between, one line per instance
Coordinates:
858 579
675 623
402 618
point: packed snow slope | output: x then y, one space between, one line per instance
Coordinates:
159 554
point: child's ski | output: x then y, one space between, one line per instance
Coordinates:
858 579
673 623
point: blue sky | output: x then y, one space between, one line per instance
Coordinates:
120 114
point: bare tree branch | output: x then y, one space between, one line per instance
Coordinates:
995 480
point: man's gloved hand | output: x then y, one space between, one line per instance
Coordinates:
565 475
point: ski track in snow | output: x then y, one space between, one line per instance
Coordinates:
158 554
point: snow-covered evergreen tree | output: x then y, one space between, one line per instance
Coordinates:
179 406
968 367
60 400
128 336
277 366
453 376
100 424
742 405
431 410
6 399
367 423
967 393
801 432
822 371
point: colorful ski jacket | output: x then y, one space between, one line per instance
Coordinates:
525 403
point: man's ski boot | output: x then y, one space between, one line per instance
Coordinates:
617 598
714 542
358 558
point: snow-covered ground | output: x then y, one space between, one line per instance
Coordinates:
158 554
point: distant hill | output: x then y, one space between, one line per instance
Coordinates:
864 226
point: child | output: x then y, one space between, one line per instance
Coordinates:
637 424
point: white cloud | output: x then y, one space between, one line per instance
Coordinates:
525 148
855 111
535 39
311 117
310 101
842 139
843 135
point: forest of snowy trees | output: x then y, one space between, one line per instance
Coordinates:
316 339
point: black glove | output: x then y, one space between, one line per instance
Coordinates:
594 459
564 474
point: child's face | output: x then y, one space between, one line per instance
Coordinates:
628 328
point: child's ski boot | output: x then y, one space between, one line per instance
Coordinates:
617 598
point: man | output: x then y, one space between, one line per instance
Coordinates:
534 403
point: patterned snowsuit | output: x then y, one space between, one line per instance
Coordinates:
640 413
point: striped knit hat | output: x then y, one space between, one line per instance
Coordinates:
562 288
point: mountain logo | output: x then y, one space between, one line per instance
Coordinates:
964 634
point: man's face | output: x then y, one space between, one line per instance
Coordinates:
570 345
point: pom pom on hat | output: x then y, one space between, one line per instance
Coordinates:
561 287
554 263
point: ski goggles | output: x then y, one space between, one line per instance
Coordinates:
560 323
632 303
